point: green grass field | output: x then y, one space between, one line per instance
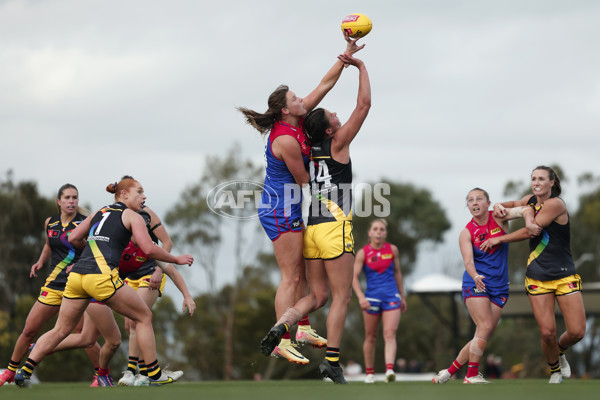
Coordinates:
530 389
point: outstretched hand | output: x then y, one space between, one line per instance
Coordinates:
184 260
351 46
347 59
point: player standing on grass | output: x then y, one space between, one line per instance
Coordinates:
384 298
550 277
485 282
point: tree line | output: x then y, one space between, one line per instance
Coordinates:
221 340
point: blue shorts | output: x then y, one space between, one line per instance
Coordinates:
276 222
498 296
383 303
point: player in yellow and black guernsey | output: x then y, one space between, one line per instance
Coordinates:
62 256
95 275
107 239
328 240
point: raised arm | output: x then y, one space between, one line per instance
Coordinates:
331 77
500 208
347 132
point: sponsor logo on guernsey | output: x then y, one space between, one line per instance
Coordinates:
387 256
140 259
495 230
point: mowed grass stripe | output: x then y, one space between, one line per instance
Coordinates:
529 389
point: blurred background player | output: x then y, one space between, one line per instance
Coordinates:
384 298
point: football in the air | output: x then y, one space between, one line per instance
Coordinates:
357 25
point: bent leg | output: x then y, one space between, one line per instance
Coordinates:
149 297
38 316
69 315
573 312
288 252
543 311
340 273
103 319
126 302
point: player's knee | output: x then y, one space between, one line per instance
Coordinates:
29 334
113 343
321 299
371 337
485 330
389 334
548 334
577 334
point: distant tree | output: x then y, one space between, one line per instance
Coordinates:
22 216
414 217
199 227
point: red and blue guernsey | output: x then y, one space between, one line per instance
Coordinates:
379 270
493 264
280 210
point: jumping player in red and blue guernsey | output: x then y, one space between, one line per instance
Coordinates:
384 298
281 210
485 282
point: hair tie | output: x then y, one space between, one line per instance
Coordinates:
114 185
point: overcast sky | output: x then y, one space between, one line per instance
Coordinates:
465 93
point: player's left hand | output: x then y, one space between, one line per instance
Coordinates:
188 303
155 279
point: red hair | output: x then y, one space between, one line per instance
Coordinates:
126 183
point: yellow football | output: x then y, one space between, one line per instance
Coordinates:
357 25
